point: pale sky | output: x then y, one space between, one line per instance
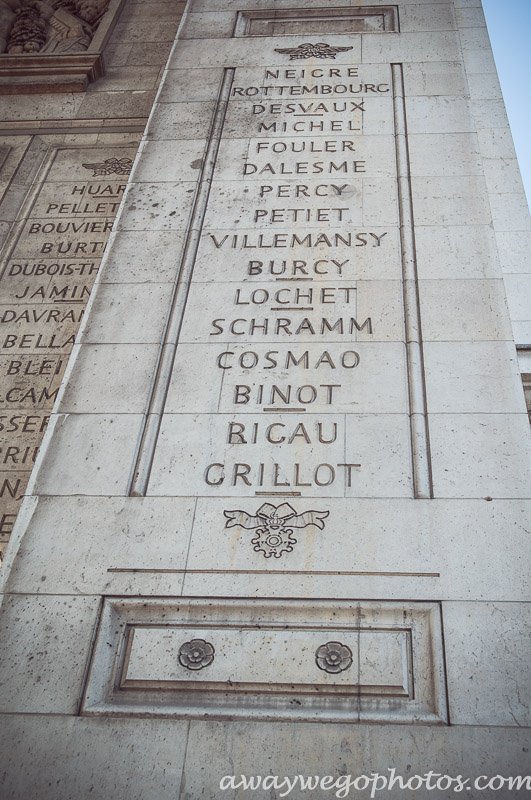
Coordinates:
509 24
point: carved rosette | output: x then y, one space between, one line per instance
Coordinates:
333 657
196 654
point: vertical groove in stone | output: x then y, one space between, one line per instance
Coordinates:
163 371
420 440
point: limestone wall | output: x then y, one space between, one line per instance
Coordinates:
279 524
65 160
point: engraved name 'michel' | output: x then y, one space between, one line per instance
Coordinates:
308 50
274 526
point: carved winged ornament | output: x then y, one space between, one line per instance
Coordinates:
308 50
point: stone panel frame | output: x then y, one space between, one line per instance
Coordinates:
262 23
135 667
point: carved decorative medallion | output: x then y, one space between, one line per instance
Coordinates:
333 657
308 50
196 654
274 526
111 166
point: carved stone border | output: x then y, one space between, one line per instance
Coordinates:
135 667
252 23
49 73
418 411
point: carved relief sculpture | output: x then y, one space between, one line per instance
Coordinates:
60 26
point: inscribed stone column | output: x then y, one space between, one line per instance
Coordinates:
278 525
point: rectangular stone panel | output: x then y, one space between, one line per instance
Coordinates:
303 21
345 660
300 201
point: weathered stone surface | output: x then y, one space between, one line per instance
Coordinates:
292 453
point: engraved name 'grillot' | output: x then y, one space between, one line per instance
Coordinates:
275 474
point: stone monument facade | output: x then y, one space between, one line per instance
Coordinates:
279 522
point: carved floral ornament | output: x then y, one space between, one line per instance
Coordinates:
28 27
196 654
332 657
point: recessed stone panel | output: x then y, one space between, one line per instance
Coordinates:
350 661
297 21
